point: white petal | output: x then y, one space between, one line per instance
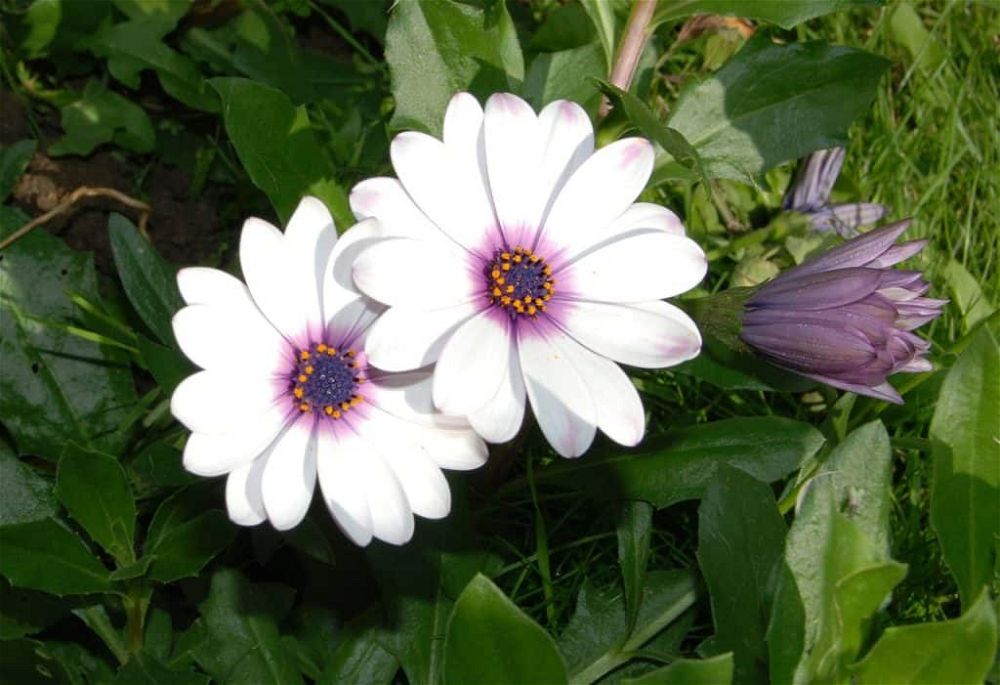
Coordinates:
639 268
644 215
432 176
457 450
341 469
600 190
404 339
558 394
243 497
216 402
408 396
465 140
415 273
617 405
513 148
234 338
472 364
567 141
651 335
264 262
290 475
423 483
386 200
392 518
346 309
501 418
202 285
309 240
212 454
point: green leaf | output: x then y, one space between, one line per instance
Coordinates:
714 671
635 526
95 491
490 640
278 148
185 534
644 119
436 49
838 570
102 116
167 365
603 14
967 294
784 13
741 537
45 555
149 280
159 465
958 651
24 495
359 659
143 668
772 103
566 75
679 465
14 160
55 387
30 662
965 499
242 640
907 28
25 612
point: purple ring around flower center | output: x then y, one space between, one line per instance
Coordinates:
326 381
519 282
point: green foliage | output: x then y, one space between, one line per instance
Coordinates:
760 532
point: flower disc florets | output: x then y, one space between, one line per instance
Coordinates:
519 282
326 380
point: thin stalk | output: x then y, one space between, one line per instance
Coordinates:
630 48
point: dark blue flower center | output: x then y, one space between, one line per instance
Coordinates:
326 380
519 282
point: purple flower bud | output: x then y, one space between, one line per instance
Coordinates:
809 194
845 318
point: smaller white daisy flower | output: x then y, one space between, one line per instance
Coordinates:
521 266
286 396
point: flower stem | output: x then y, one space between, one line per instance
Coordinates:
630 49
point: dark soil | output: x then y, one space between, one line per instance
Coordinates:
184 229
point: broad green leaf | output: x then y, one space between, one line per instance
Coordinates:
566 75
741 538
242 642
55 387
635 526
965 499
55 27
29 662
149 281
679 465
24 495
144 668
716 670
25 612
566 27
13 161
419 584
958 651
185 534
102 116
907 28
159 465
599 639
45 555
436 48
838 570
278 148
966 293
95 491
784 13
167 365
360 658
772 103
603 14
490 640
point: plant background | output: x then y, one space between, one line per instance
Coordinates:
698 557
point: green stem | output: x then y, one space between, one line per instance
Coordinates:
96 618
346 35
136 603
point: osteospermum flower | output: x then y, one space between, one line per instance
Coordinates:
521 265
287 397
846 318
809 194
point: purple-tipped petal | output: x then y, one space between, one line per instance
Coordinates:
814 180
810 347
898 253
856 252
823 290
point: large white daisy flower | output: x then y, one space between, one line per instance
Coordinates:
520 264
287 395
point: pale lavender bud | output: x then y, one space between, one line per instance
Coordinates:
809 195
845 318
